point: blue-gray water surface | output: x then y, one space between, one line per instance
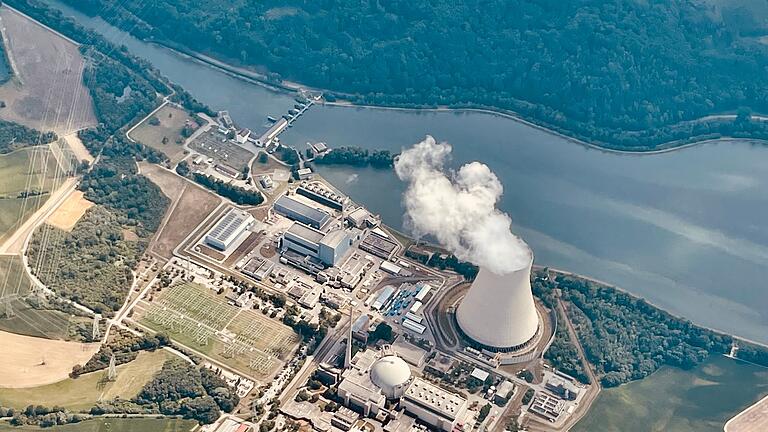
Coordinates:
687 230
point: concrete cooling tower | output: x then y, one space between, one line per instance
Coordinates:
498 312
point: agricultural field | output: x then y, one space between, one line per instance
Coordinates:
83 392
29 361
194 205
23 171
46 91
115 425
71 210
163 131
196 317
13 278
171 184
18 316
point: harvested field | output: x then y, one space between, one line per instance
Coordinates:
71 210
83 392
194 205
171 121
29 361
22 172
171 184
47 90
752 419
196 317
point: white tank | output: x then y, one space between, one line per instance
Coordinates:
498 311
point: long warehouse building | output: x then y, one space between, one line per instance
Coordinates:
301 212
229 228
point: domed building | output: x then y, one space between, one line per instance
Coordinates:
392 375
372 378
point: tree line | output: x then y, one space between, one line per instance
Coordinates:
626 338
14 136
356 156
626 74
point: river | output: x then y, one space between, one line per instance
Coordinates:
687 230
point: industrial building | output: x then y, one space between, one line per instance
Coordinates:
498 313
258 268
431 404
330 248
227 171
562 388
319 193
548 406
301 212
378 243
357 389
374 378
362 218
229 228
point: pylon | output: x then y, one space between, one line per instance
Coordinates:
112 372
96 331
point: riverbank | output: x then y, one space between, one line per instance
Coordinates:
287 87
675 316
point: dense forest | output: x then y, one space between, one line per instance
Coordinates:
627 74
90 265
624 337
14 136
183 389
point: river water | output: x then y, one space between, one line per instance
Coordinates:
687 230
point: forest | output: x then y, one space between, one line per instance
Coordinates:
624 337
14 136
623 74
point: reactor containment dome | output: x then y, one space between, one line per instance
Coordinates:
391 374
498 312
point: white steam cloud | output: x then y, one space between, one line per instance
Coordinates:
459 208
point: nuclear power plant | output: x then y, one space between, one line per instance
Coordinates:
498 313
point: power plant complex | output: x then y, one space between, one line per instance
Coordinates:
498 312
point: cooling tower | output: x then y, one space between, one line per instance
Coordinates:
498 312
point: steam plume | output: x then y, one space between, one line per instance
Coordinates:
459 208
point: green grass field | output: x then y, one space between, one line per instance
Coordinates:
26 169
13 278
169 128
82 393
675 400
26 320
195 317
115 425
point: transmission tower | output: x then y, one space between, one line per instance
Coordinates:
96 331
112 372
8 309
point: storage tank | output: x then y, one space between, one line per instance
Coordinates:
498 311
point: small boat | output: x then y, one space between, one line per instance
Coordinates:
271 119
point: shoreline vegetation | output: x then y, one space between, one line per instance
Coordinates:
617 109
284 87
